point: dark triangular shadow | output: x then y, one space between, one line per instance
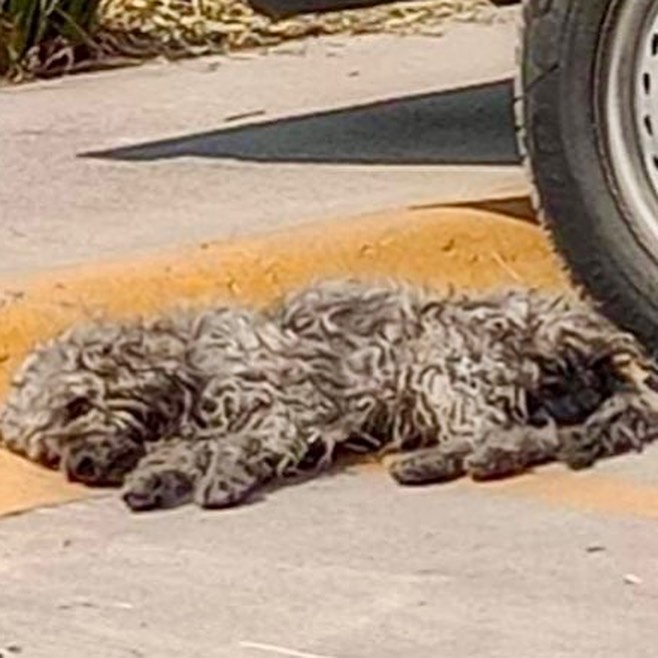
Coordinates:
470 126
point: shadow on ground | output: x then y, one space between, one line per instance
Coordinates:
518 207
473 126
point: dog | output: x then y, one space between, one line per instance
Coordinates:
210 406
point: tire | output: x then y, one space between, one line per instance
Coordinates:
587 146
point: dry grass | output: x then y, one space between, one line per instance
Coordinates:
129 31
190 27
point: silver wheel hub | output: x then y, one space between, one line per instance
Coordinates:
630 113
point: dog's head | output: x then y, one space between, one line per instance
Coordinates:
89 400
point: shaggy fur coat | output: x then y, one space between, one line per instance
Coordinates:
211 406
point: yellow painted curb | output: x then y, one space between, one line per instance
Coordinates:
461 246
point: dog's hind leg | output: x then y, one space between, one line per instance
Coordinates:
500 451
505 450
625 422
440 463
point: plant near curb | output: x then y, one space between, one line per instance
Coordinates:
32 31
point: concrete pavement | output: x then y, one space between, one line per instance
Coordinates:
349 566
553 565
265 142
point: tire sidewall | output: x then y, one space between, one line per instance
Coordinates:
584 209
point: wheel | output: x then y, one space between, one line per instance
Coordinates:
587 119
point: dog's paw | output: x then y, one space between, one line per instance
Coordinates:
428 465
157 489
491 462
226 487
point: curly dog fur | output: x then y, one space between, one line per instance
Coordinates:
209 407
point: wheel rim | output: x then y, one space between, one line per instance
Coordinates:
628 107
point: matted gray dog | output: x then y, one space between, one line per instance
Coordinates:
211 406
